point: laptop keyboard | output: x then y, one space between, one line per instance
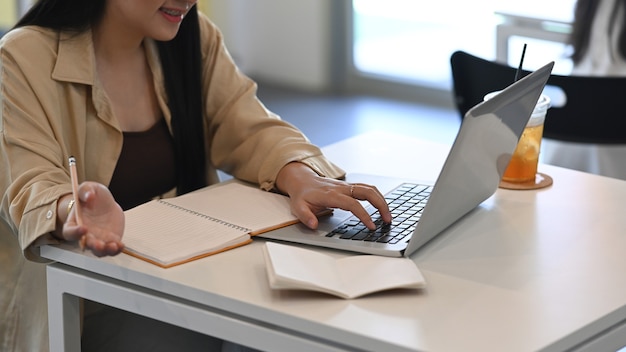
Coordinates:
406 203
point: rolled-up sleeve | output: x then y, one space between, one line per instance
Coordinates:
31 178
245 139
46 114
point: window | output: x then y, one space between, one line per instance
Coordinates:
411 41
8 15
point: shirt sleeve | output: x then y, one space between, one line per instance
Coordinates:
31 174
245 139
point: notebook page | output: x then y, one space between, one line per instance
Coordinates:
239 204
165 234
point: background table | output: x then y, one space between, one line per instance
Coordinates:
526 271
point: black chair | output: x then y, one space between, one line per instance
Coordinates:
594 109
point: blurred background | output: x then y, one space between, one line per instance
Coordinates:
388 47
374 64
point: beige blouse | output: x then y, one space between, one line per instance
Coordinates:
53 106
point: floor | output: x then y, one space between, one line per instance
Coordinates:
326 119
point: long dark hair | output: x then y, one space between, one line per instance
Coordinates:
181 63
584 15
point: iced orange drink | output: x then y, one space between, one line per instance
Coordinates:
523 164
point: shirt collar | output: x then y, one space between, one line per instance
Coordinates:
75 61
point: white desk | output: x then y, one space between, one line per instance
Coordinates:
527 271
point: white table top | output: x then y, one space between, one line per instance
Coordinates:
528 270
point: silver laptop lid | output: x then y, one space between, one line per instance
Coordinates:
481 152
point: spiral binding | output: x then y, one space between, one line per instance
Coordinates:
210 218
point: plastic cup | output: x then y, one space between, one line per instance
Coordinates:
523 165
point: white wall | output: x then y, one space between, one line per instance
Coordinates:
285 42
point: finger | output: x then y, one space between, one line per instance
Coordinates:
305 215
90 193
72 231
348 203
377 191
113 248
373 196
356 208
101 247
95 245
345 200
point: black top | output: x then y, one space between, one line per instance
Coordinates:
146 167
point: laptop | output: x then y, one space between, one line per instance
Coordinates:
471 173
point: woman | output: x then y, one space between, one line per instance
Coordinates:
146 98
599 38
598 41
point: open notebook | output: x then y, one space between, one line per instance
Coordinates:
172 231
472 172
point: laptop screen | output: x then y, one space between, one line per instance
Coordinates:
481 152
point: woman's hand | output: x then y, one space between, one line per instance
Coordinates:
102 220
311 194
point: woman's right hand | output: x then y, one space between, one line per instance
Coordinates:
102 220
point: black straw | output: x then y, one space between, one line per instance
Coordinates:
521 62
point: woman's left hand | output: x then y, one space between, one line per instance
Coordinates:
102 220
311 194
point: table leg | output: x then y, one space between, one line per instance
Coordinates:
63 314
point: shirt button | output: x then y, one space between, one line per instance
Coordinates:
49 214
